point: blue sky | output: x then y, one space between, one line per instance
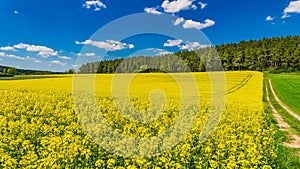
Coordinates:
50 35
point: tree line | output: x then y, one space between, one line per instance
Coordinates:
273 54
6 71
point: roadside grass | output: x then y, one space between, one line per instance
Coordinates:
286 158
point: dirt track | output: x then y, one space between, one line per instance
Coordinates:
295 139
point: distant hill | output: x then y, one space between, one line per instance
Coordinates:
29 72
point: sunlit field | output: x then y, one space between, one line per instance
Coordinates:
40 129
287 87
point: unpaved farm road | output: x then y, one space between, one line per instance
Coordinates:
285 127
281 103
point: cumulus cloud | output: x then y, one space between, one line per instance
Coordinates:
12 56
15 57
96 4
293 7
21 46
2 54
86 54
194 7
197 25
43 51
285 16
192 46
65 57
160 53
184 45
202 5
178 21
175 42
34 48
16 12
8 48
108 45
269 18
47 54
176 5
57 62
152 11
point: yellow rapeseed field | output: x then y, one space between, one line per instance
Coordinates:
40 128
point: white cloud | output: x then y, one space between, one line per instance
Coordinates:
193 24
194 7
43 51
192 46
160 53
65 57
34 48
108 45
269 18
2 54
202 5
58 62
294 7
37 61
175 42
46 54
16 12
21 46
130 46
178 21
184 45
94 3
86 54
152 10
285 16
15 57
8 48
176 5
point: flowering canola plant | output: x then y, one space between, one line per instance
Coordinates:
40 129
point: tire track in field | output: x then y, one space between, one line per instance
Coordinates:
285 127
281 103
242 84
290 83
238 86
